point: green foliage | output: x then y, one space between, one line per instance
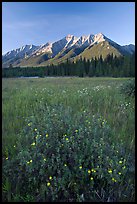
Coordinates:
68 158
128 88
111 66
67 140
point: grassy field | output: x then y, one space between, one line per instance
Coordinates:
67 139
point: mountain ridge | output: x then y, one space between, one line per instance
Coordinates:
69 47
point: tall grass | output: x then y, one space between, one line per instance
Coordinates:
88 118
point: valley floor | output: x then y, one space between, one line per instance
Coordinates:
67 139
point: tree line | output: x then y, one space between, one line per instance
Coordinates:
111 66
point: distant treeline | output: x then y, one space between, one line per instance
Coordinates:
111 66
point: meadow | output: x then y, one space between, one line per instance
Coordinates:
67 139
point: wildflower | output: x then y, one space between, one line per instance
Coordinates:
29 124
93 170
44 159
120 162
66 138
76 130
47 135
89 171
35 129
123 167
48 184
91 178
80 167
14 146
110 171
65 135
119 173
50 178
65 164
33 144
36 136
7 158
29 161
113 179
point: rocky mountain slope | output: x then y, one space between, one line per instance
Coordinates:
69 47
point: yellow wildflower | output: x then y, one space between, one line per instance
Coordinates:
47 135
91 178
93 170
50 178
33 144
110 171
66 138
120 162
119 173
65 164
80 167
76 130
14 146
44 159
7 158
123 167
113 179
89 171
48 184
35 129
29 161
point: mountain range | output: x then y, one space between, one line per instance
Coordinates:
70 47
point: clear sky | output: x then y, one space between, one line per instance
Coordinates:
41 22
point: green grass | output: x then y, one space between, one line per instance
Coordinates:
84 119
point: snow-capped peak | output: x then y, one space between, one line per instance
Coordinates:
99 38
65 44
30 46
69 37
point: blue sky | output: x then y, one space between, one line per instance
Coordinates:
41 22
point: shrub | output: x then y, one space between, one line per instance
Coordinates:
65 160
128 88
